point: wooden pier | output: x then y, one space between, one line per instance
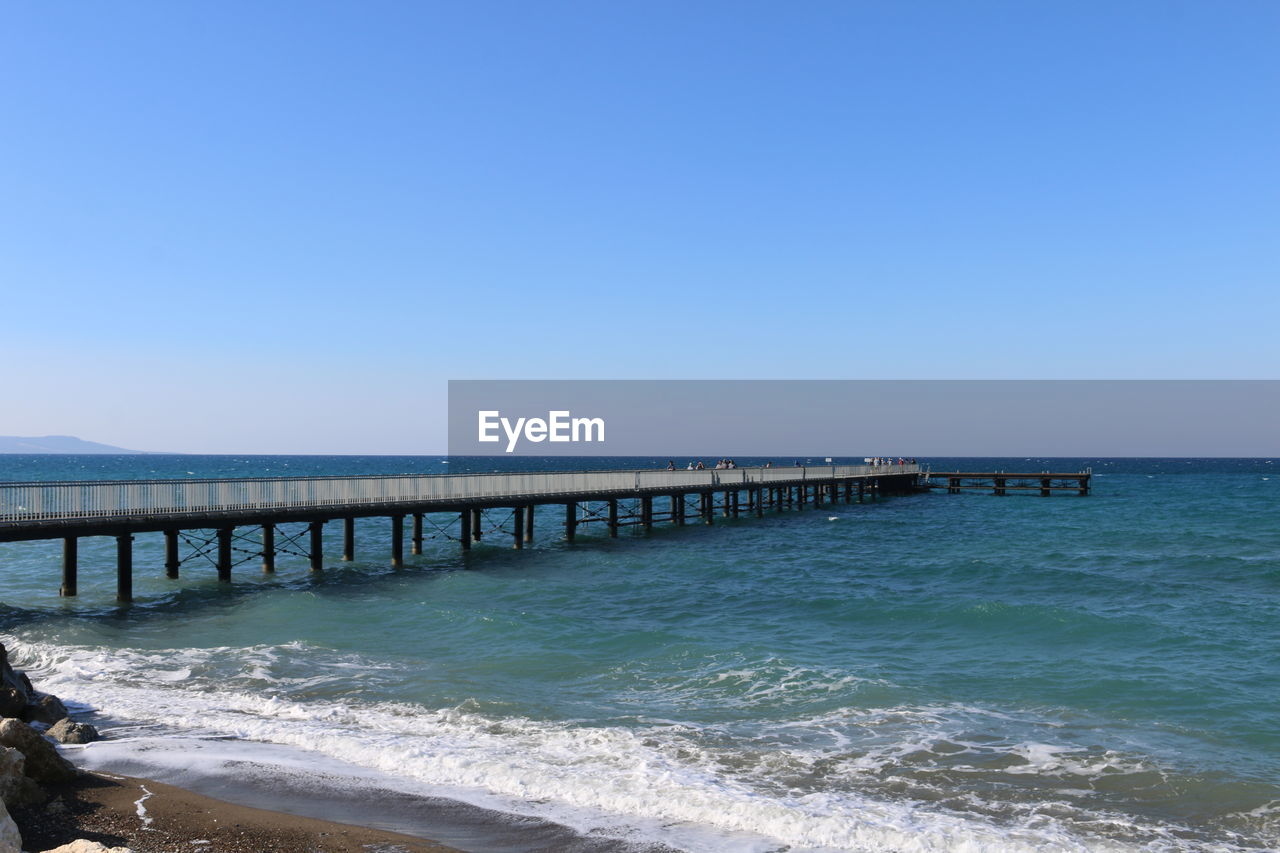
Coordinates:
231 522
1001 483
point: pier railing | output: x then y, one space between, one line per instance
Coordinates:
21 502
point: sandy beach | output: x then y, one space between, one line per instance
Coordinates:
151 817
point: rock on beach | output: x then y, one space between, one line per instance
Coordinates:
43 763
10 840
83 846
44 708
68 731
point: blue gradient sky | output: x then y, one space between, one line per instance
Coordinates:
275 227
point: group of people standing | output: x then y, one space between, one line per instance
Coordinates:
729 463
698 466
722 464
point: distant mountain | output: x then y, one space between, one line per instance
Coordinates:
55 444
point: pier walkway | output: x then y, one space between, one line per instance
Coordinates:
1001 482
180 509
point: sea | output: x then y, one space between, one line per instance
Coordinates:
929 672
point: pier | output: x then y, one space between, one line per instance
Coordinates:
231 522
1001 483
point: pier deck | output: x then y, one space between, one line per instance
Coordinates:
1001 482
72 510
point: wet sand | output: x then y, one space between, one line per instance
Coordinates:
105 808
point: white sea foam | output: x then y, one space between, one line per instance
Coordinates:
735 682
142 810
599 778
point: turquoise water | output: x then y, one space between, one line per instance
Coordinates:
934 672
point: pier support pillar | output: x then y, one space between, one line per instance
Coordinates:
317 546
528 523
726 497
677 509
124 568
517 532
268 548
646 512
735 496
416 537
862 490
1044 487
1000 481
759 502
171 560
708 507
570 520
613 518
397 541
477 516
464 535
348 539
224 553
70 564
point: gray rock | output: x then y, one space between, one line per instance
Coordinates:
23 792
11 762
10 677
68 731
44 708
12 701
10 840
15 788
43 763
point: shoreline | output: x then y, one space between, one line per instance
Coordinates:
116 793
153 817
273 790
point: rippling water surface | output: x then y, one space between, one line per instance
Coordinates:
933 672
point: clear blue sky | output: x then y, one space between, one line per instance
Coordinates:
272 227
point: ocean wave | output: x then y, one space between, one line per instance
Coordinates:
675 780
